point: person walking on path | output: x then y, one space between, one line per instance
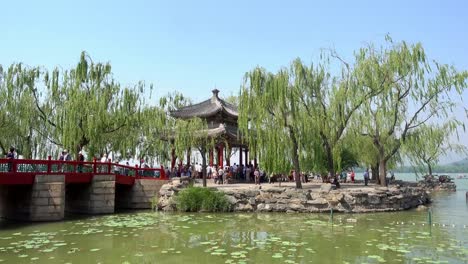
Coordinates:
366 176
247 173
353 175
215 175
257 176
220 175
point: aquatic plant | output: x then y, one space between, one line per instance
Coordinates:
196 199
154 203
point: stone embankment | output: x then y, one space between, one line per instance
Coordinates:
323 199
441 183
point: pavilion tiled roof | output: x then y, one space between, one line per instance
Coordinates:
223 129
207 108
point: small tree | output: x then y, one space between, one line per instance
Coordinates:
426 144
193 133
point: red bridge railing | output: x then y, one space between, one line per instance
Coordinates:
74 171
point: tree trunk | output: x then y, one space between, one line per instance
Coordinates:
295 158
203 154
228 153
382 163
430 169
383 172
330 163
375 173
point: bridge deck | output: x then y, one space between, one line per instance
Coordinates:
23 172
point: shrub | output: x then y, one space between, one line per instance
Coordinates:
154 202
195 199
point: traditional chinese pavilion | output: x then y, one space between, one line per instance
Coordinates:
221 118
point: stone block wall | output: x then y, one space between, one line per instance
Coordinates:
141 195
48 198
43 201
97 197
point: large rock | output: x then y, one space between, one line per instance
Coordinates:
326 187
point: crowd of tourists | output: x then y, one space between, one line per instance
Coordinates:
220 174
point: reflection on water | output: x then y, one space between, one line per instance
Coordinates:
147 237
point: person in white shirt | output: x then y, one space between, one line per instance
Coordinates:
103 160
199 171
220 175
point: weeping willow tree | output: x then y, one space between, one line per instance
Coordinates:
330 103
18 119
271 119
425 145
366 153
412 91
193 133
154 127
304 110
185 134
86 107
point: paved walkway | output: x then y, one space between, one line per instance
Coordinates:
309 185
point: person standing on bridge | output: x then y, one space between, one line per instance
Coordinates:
103 160
81 160
11 156
64 157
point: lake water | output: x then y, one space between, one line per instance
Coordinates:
153 237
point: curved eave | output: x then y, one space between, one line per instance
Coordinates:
206 109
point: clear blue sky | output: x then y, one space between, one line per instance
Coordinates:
193 46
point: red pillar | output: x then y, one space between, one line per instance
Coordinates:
240 156
163 175
220 156
211 157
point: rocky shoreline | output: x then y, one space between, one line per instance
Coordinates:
268 198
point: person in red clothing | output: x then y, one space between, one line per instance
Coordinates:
352 175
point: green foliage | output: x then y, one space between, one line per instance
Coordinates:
409 90
18 119
375 110
301 113
271 120
44 111
154 202
425 145
85 106
455 167
307 117
196 199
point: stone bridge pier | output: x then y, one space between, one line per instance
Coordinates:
42 201
140 195
50 197
96 197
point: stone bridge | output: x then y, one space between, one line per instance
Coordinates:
44 190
